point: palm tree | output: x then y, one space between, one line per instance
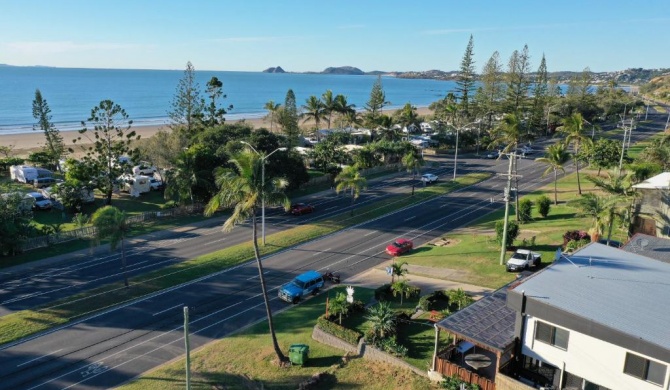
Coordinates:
339 305
573 128
342 107
382 319
183 178
459 297
352 118
273 109
350 179
328 105
407 115
244 189
620 189
412 161
555 157
398 269
508 133
112 223
401 287
313 110
599 208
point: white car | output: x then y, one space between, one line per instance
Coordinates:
156 185
523 259
429 178
144 169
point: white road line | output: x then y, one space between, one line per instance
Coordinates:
410 218
372 232
215 241
321 252
169 308
38 358
332 208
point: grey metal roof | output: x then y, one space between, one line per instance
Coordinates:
488 321
623 291
650 246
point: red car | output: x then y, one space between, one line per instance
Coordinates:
399 246
301 208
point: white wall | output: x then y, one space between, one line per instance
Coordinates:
592 359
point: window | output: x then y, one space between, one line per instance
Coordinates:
552 335
644 369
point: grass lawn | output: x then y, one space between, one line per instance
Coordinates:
228 361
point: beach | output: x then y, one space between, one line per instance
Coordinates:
22 144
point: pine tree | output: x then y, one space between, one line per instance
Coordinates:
493 86
376 104
518 81
215 114
55 148
540 96
187 105
289 119
465 82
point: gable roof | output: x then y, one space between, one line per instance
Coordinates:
488 321
658 182
623 291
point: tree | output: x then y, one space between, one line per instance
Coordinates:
313 110
187 105
604 153
512 232
328 102
518 81
382 320
401 287
620 189
54 148
508 133
554 159
15 220
184 178
339 306
492 88
376 103
413 161
573 128
112 223
215 114
289 119
459 297
398 269
407 115
597 207
525 210
112 139
273 110
465 81
350 179
543 205
244 190
342 107
540 98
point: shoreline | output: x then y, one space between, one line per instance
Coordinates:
24 143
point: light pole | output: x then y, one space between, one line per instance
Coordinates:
263 158
456 152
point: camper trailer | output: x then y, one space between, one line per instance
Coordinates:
134 185
27 174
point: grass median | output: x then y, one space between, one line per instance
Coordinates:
27 322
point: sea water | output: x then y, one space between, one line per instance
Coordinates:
146 95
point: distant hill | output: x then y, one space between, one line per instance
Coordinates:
277 69
658 88
343 70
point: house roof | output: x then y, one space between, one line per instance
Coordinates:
620 290
658 182
649 246
488 321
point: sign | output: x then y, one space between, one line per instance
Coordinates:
350 294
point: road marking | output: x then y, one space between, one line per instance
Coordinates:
372 232
169 308
321 252
215 241
409 219
444 205
38 358
332 208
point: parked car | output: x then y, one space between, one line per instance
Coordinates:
429 178
523 259
39 201
144 169
399 246
301 208
42 182
156 185
307 283
492 154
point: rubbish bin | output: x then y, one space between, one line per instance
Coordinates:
297 354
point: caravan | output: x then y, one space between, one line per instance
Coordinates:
27 174
134 185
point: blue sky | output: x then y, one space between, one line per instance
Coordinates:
251 35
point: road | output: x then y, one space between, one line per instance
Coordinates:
111 347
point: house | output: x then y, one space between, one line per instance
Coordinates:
655 247
596 320
652 209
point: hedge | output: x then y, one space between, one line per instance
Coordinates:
348 335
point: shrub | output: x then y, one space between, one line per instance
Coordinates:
525 210
425 303
390 345
573 245
543 205
383 292
512 232
357 307
348 335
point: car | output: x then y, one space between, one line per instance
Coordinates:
156 185
399 246
306 283
523 259
301 208
144 169
429 178
43 182
492 154
39 201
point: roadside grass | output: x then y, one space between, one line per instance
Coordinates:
26 322
474 253
229 363
635 150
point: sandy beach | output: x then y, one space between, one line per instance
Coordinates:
23 144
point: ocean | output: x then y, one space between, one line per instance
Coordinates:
146 95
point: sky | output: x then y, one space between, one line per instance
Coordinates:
299 36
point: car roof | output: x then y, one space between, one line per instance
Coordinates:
402 240
525 251
307 276
34 194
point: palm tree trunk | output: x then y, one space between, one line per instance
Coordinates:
123 261
268 310
611 223
352 201
555 188
579 185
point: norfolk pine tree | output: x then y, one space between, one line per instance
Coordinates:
518 81
187 105
289 119
465 82
376 103
55 148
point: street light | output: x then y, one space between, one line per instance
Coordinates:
456 152
263 158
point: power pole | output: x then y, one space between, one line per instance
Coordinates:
188 350
506 198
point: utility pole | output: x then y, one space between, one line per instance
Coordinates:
188 350
623 145
508 189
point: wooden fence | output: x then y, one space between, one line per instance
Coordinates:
447 368
90 231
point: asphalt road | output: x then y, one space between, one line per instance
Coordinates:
112 347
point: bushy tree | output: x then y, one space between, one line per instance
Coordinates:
543 205
512 232
15 218
525 210
112 224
